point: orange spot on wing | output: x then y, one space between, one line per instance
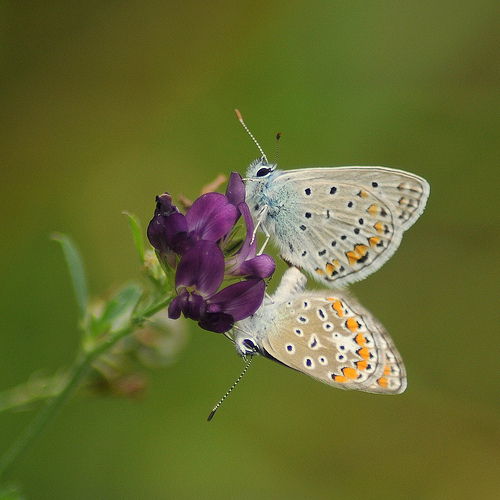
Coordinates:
352 324
382 382
331 267
374 240
361 250
358 252
320 271
350 373
372 209
379 226
340 379
337 307
353 258
360 339
363 194
364 353
387 370
362 365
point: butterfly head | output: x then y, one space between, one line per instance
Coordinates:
248 333
260 169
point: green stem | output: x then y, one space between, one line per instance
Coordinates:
74 378
41 420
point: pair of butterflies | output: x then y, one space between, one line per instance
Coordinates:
339 225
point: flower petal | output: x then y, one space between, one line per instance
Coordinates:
174 224
249 247
191 305
218 322
177 235
157 226
175 307
235 191
240 300
261 266
202 268
211 216
164 205
156 234
167 231
195 306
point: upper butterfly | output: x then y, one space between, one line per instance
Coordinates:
340 224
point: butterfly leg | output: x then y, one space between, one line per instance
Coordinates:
267 235
260 218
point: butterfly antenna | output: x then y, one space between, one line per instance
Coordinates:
278 135
240 118
216 407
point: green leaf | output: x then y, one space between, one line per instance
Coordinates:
135 226
76 270
36 388
118 310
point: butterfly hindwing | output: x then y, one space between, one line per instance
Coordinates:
326 335
327 338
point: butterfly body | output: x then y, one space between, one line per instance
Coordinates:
325 334
339 224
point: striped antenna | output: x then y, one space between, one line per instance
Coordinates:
278 135
216 407
240 118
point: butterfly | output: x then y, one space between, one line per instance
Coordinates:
339 224
325 334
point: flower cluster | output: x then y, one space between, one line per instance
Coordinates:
200 246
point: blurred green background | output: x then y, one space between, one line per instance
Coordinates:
106 104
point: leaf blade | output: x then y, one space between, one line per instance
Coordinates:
76 270
135 227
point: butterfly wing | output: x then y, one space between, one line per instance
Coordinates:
340 224
332 338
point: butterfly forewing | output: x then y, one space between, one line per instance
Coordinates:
332 338
339 224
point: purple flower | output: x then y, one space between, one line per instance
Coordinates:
210 218
199 275
235 191
204 239
165 209
240 299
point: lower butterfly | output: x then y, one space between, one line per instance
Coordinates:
324 334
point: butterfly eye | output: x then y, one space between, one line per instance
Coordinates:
263 171
250 345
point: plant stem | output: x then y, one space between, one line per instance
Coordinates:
74 378
41 420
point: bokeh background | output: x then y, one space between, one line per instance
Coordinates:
103 105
